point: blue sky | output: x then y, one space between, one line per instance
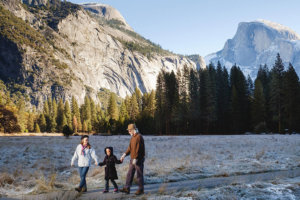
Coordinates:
198 26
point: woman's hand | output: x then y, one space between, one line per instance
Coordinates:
96 163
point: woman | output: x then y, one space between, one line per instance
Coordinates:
84 153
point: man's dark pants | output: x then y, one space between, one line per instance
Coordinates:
139 168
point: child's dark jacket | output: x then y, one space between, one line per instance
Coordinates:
110 161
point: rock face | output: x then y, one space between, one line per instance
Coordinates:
257 43
84 55
35 2
107 12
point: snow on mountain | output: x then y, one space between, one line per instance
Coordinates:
257 43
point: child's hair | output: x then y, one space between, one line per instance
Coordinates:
111 150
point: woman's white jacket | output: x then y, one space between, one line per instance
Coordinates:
84 160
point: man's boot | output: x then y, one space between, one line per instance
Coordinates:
139 192
125 190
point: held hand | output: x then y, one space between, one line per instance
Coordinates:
122 157
96 163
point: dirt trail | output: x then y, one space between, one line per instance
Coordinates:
168 188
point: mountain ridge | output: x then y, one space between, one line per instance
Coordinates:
82 54
257 43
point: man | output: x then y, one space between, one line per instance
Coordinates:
136 149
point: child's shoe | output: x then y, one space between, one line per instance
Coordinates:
105 191
116 190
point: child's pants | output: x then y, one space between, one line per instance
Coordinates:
107 184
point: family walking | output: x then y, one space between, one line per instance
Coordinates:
84 153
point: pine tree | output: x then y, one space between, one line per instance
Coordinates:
86 109
207 98
85 126
160 103
123 113
75 124
134 108
222 99
30 123
36 128
60 116
42 122
194 109
76 112
212 98
21 114
250 86
258 108
138 95
46 109
172 101
263 75
113 110
240 100
64 122
150 105
276 94
291 99
146 117
236 111
180 113
53 124
93 114
68 114
8 120
127 104
89 126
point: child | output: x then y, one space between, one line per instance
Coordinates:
84 153
110 170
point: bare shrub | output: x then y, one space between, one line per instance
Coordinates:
5 179
43 186
96 171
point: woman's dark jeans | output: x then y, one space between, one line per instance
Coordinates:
82 172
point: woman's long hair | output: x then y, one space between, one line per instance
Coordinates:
88 144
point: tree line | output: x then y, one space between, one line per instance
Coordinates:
188 101
213 101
